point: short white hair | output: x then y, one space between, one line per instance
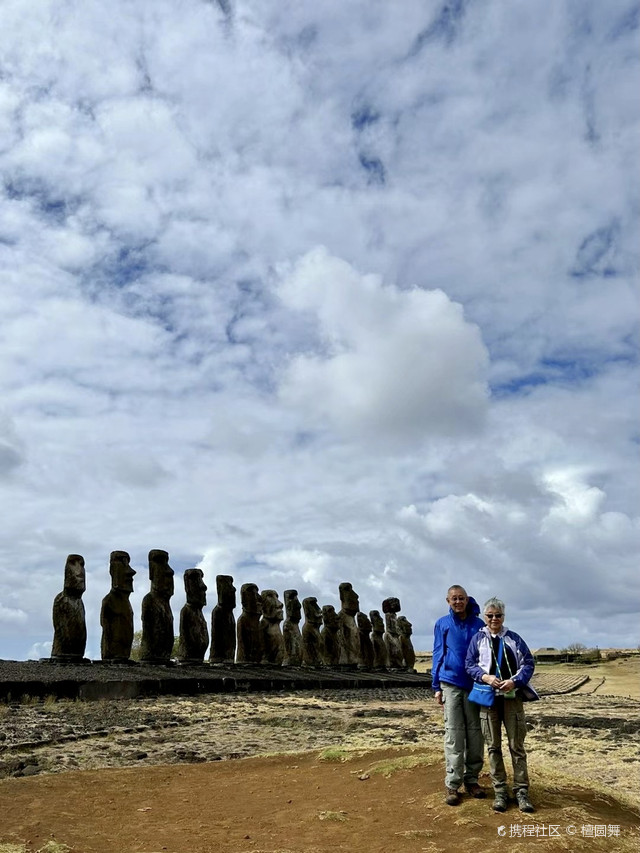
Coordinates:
494 602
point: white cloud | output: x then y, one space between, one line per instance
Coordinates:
400 365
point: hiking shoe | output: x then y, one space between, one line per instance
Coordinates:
452 797
524 803
476 791
500 802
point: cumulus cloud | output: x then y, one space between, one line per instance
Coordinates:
396 365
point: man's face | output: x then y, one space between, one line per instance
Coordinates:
457 600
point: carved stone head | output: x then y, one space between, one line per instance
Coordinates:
377 623
160 574
391 605
349 599
226 592
404 626
251 599
195 588
364 623
330 617
292 605
74 576
312 612
272 609
121 571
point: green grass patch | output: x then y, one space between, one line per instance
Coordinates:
334 753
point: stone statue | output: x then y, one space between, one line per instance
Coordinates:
366 646
69 626
405 629
311 639
157 619
116 613
380 654
291 629
349 635
248 629
390 607
194 635
330 635
223 622
272 639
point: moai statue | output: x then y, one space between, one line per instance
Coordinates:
157 619
194 634
291 629
311 638
390 607
405 629
116 613
380 654
364 636
223 622
272 639
248 629
349 635
69 626
330 636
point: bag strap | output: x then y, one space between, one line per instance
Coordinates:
498 660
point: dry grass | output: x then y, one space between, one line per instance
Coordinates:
335 816
388 766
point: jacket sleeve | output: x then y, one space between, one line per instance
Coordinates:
438 655
471 660
526 664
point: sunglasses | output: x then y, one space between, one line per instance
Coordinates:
493 615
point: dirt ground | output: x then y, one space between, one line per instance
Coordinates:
310 773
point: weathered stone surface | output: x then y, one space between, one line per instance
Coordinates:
405 629
194 635
390 607
349 635
248 629
116 613
69 626
380 654
291 629
311 639
364 636
223 622
157 619
272 639
330 636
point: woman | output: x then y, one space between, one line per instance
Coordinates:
502 659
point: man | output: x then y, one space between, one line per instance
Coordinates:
463 744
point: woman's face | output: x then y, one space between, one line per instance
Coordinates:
494 619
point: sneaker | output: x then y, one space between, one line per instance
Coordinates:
500 802
476 791
524 803
452 797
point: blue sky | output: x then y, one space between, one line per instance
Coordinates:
314 292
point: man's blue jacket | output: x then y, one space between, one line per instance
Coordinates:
451 638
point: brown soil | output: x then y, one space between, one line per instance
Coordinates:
279 804
154 775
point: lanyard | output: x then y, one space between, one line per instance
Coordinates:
498 660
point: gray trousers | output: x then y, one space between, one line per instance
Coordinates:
510 714
463 746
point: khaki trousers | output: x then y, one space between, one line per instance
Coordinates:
510 714
463 746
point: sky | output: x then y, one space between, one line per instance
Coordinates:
311 292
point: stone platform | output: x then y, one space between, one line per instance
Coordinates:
97 680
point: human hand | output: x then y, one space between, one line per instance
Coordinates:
506 685
438 698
